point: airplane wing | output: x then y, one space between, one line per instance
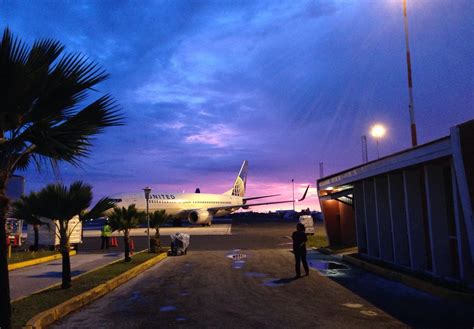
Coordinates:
246 205
260 197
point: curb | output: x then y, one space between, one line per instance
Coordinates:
409 280
52 315
37 261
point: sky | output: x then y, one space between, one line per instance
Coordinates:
204 85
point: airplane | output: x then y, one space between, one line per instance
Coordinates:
199 208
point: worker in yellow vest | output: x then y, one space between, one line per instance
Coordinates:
105 235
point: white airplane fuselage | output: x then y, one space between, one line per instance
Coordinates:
192 206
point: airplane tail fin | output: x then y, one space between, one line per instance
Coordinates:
240 182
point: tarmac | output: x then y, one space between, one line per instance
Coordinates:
246 280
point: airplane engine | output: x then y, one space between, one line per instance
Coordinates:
199 217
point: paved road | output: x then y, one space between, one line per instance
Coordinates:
210 288
25 281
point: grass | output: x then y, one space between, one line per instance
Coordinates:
23 256
318 240
26 308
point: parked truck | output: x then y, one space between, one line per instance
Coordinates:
49 233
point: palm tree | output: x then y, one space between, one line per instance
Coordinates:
61 203
47 114
26 208
122 220
157 219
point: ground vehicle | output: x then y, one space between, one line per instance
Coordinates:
13 229
307 221
49 233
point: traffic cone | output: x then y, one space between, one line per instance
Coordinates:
132 246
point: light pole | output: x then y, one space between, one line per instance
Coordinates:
365 157
293 188
147 191
414 141
378 131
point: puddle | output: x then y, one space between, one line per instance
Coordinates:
238 264
236 254
321 265
277 282
238 258
255 274
168 308
180 318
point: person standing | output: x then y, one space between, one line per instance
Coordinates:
299 249
105 235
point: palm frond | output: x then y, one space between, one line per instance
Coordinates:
27 208
99 209
42 97
122 219
63 203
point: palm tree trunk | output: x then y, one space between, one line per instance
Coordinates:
36 230
158 238
127 246
64 247
5 307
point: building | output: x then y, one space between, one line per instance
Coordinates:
411 209
15 187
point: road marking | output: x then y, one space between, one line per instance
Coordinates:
350 305
369 313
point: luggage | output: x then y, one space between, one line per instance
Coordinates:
179 244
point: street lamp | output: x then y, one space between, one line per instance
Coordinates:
365 157
293 187
377 131
147 191
414 141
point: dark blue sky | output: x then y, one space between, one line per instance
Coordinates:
285 85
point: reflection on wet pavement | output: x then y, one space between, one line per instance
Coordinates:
237 256
321 265
168 308
278 282
238 264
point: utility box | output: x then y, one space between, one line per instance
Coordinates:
49 233
308 223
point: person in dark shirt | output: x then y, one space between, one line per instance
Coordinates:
299 249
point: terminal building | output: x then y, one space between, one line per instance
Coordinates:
411 210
